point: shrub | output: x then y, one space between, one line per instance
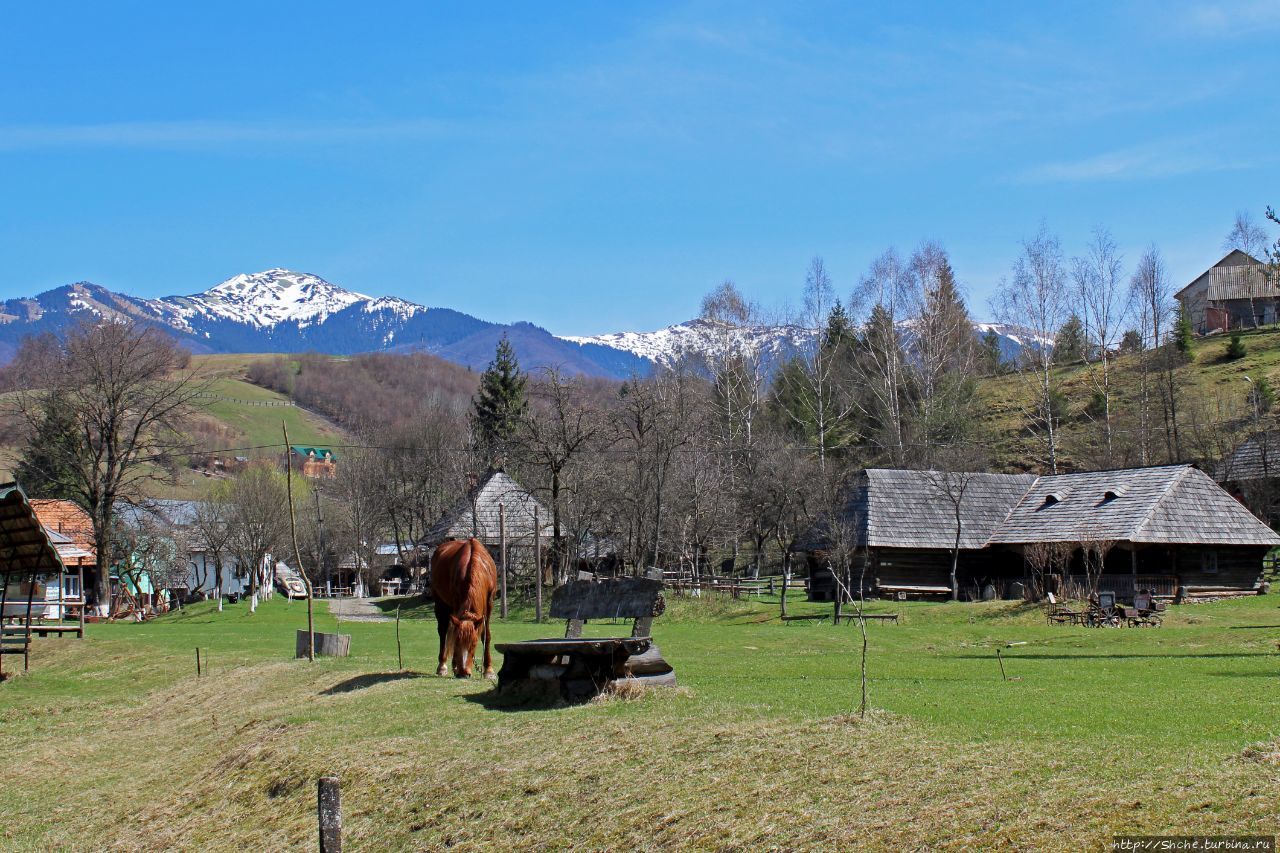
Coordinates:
1236 349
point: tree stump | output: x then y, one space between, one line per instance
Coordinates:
327 645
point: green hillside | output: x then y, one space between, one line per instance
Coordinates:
1212 395
235 414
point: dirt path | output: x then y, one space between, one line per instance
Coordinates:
356 610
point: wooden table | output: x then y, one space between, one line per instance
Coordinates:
578 668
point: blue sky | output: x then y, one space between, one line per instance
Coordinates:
598 167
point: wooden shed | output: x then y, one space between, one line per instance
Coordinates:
477 516
1169 522
1168 528
901 527
28 561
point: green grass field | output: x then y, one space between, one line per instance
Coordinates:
113 741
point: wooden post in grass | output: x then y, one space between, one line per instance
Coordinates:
537 566
297 553
502 559
399 654
80 575
329 814
198 671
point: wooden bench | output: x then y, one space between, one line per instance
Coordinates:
902 591
578 667
43 630
876 617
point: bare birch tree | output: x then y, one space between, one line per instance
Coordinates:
1249 237
1099 289
1151 296
1033 300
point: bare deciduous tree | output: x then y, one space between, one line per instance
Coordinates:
126 391
1098 286
1033 300
258 516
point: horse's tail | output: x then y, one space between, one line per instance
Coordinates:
469 560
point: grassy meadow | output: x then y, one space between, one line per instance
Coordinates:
113 742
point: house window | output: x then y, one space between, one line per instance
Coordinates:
1209 562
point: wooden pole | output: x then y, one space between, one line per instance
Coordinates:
537 566
297 553
399 653
31 593
198 671
80 571
502 558
329 814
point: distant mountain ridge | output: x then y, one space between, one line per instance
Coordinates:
279 310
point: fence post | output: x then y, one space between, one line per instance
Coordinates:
329 814
537 566
502 557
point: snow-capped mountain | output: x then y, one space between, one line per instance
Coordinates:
267 298
666 347
280 310
696 338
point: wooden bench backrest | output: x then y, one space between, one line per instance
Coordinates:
612 598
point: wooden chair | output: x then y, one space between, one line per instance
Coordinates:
581 667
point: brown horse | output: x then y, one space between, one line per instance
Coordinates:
463 580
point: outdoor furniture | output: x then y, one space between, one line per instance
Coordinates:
578 668
1059 614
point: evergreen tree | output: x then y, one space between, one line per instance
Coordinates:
499 404
45 469
1236 349
1070 344
839 331
989 353
1183 337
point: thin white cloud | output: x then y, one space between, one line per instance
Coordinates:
211 134
1135 163
1224 18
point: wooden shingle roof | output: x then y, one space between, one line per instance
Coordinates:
891 508
24 543
1172 504
1256 458
476 516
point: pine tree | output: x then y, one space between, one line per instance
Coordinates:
839 330
1184 338
989 355
499 404
44 470
1070 344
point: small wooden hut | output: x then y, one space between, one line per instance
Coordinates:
497 504
28 560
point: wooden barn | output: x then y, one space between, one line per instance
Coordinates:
1234 293
900 527
1171 529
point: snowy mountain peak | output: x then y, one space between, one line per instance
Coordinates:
669 345
273 296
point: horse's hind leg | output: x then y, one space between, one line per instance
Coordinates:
488 659
444 625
